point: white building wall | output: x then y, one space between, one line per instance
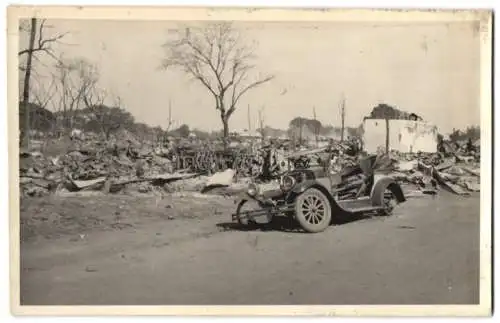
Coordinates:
404 136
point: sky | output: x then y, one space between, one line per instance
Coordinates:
431 69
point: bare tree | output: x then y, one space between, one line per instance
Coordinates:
43 94
27 75
107 119
38 42
75 79
43 42
216 57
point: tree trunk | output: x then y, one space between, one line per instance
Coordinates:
225 133
26 89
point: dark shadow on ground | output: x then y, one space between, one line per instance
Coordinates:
288 224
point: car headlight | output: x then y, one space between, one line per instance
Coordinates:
287 183
252 189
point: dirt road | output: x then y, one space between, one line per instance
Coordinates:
426 253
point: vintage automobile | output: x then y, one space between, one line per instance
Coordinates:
314 195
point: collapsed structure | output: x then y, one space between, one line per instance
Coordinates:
397 130
86 163
90 165
405 136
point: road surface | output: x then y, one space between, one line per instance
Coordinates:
426 253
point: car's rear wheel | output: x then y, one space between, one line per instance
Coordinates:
313 211
389 201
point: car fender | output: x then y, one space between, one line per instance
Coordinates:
263 197
241 197
380 184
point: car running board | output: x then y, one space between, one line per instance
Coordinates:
365 209
362 204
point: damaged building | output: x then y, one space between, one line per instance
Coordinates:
397 130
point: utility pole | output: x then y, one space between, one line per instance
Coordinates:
300 132
169 124
169 115
26 89
387 131
261 123
316 129
342 117
249 122
252 139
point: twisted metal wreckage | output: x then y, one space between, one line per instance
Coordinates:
91 165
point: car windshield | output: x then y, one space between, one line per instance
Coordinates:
308 160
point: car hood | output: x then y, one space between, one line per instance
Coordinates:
270 189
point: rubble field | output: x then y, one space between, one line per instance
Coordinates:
71 187
69 168
115 225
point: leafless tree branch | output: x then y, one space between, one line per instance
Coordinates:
43 43
218 59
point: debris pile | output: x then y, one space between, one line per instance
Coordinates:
108 168
459 174
127 165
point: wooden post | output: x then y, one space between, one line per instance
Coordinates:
252 141
342 117
249 122
387 135
169 115
316 129
261 124
300 132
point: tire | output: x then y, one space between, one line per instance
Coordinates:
313 211
389 201
241 207
249 205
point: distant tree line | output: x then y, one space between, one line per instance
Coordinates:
309 128
386 111
471 132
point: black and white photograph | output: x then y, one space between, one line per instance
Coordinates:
250 157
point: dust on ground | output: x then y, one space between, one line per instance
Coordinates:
182 250
54 216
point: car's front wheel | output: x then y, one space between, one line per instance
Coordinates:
245 205
252 205
313 211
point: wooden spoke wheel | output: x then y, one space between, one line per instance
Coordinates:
313 211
